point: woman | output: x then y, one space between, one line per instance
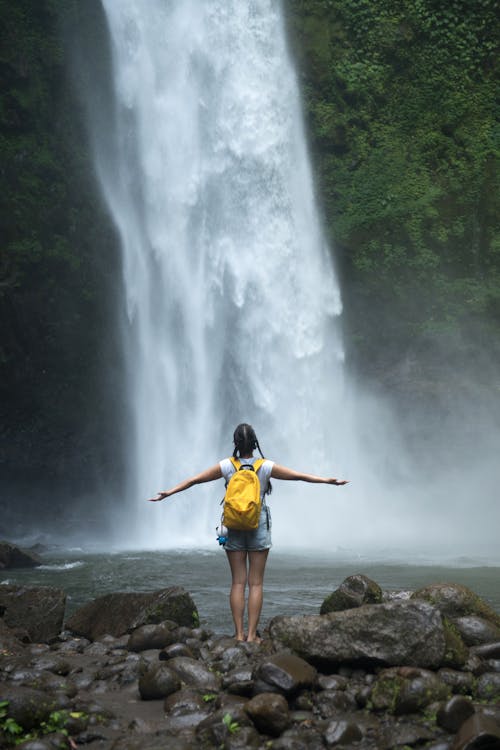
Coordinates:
247 551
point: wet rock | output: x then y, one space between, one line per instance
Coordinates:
12 556
455 600
454 712
9 643
221 725
121 613
479 732
298 738
328 703
342 733
405 735
195 674
245 737
233 657
398 633
488 686
488 651
158 682
405 690
185 701
152 636
476 630
175 649
286 672
22 608
459 682
269 712
353 592
28 707
239 681
332 682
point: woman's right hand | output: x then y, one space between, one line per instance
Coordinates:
159 496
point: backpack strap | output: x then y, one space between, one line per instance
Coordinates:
238 464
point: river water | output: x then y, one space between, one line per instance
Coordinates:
296 581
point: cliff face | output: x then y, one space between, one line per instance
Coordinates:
58 265
400 107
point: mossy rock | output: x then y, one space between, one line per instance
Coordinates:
354 591
455 600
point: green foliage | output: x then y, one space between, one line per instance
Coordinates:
231 725
56 255
400 100
14 734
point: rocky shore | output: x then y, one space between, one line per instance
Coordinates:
136 672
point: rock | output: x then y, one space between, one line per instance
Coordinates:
9 643
405 690
488 686
28 707
239 681
460 682
328 703
287 672
454 600
158 682
221 725
342 733
38 610
353 592
232 658
120 613
454 712
478 733
396 633
175 649
269 712
332 682
476 630
152 636
195 674
184 702
15 557
488 651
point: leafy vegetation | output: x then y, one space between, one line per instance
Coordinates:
403 119
57 261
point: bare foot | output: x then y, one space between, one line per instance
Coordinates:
254 640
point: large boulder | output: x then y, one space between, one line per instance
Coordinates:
394 634
353 592
457 601
37 611
15 557
120 613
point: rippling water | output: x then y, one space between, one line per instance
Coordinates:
296 582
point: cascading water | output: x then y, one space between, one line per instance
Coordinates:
231 295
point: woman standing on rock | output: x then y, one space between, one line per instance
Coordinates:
247 551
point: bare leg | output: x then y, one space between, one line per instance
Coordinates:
257 566
238 564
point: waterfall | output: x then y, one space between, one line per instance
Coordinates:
232 300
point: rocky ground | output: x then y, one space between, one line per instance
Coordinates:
136 672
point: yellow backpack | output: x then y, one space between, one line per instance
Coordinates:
242 501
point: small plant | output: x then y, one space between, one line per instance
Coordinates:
232 726
209 697
196 619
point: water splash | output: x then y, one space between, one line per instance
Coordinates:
232 299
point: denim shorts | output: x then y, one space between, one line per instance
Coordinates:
251 541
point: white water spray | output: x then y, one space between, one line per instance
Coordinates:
231 295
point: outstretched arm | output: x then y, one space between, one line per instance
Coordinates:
209 475
281 472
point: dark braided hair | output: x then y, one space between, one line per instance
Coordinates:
245 442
